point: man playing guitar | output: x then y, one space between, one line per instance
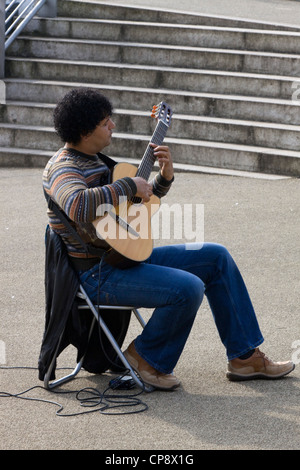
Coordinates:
170 279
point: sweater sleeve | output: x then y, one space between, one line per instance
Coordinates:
161 186
68 187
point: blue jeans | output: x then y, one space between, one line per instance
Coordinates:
173 282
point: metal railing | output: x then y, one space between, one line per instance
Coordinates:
14 16
18 13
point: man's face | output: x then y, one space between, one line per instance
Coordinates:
101 136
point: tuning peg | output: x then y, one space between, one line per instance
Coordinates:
155 110
162 111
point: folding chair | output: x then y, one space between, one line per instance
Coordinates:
88 304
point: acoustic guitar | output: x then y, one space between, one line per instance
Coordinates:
127 227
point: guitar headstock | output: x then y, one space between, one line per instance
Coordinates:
162 112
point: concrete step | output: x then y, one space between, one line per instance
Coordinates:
166 33
228 103
213 129
28 136
203 153
12 157
24 112
22 157
154 76
149 54
216 154
250 133
107 10
183 102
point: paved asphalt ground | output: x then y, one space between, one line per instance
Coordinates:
258 220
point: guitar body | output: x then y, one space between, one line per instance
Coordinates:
127 228
132 238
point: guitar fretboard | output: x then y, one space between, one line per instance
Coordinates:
148 159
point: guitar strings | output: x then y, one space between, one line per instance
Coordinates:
148 160
146 165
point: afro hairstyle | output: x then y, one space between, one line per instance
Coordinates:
79 112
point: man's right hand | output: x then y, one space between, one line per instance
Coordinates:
144 189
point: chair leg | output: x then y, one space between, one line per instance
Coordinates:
82 294
146 388
55 383
139 317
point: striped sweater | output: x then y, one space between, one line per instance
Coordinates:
79 183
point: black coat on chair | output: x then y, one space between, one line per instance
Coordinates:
62 316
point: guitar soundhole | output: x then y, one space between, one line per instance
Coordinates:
136 200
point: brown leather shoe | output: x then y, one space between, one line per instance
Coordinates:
258 366
148 374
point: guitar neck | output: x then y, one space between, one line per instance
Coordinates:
146 165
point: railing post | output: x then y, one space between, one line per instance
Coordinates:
2 37
49 10
2 51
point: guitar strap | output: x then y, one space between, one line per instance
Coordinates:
109 162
